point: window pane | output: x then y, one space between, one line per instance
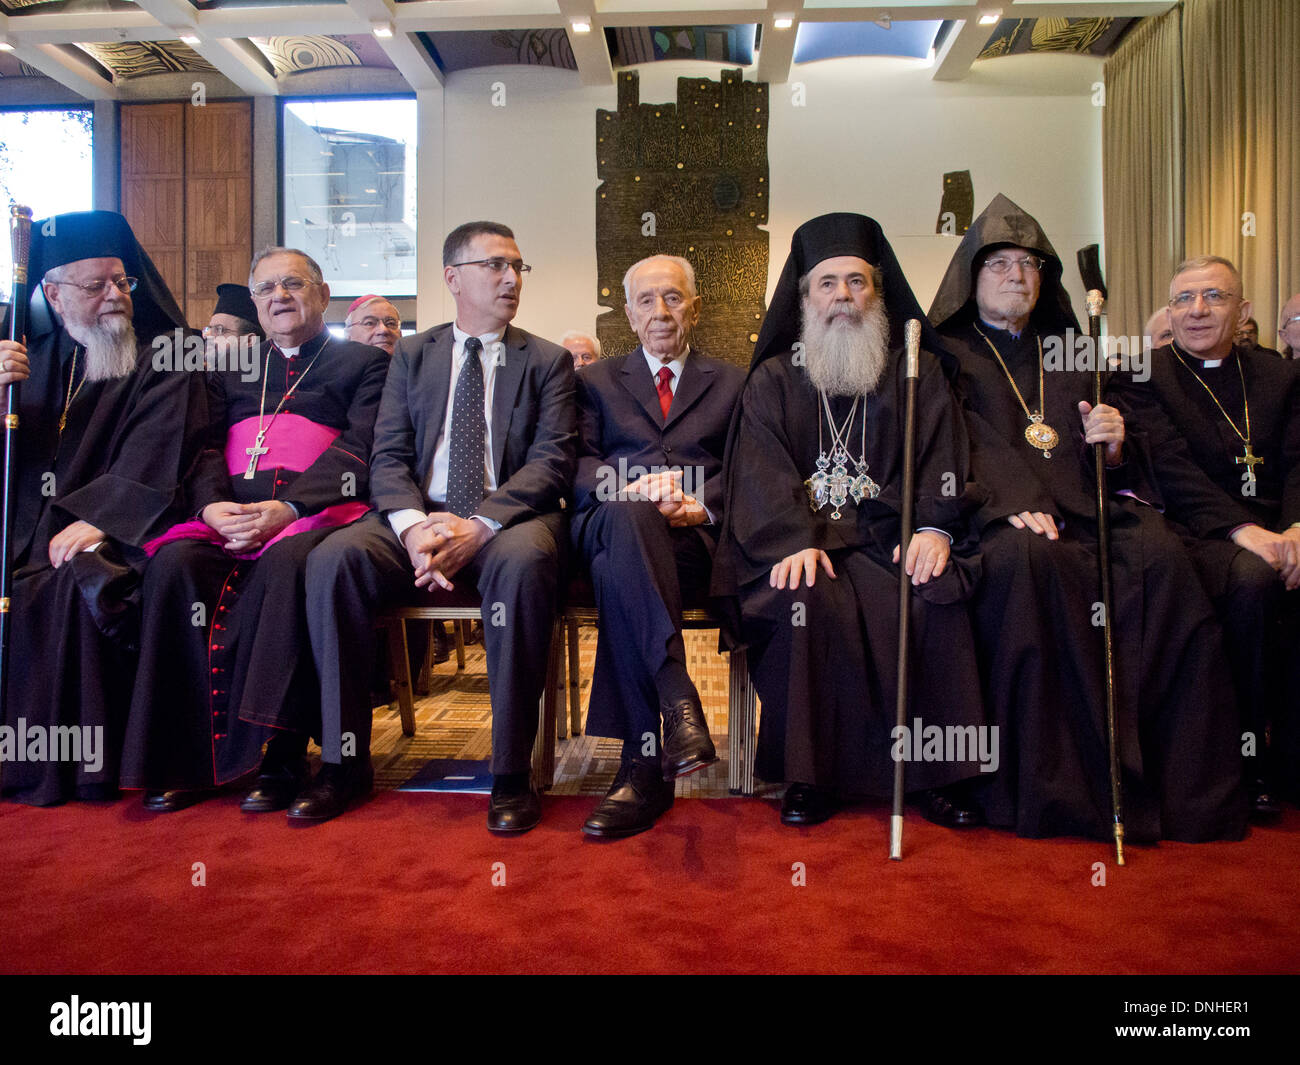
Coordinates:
349 191
45 164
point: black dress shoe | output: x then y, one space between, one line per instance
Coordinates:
334 788
634 803
687 746
441 645
805 804
168 802
947 807
513 809
1264 808
275 789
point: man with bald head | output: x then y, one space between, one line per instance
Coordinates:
1224 423
1158 331
375 321
104 442
584 347
648 500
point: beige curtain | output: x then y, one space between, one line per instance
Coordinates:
1241 69
1142 159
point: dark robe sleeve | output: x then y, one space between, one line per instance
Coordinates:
322 483
1291 455
769 512
1191 496
209 479
136 495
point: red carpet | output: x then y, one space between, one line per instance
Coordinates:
404 884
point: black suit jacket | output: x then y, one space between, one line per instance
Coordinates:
1194 450
532 425
619 419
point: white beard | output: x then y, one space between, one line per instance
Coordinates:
111 349
846 356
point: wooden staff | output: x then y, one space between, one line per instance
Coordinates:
912 338
20 238
1095 303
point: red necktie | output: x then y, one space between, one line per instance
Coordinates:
665 390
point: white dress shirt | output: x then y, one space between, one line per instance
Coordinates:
490 356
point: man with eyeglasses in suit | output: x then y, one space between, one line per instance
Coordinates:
474 453
103 444
1224 424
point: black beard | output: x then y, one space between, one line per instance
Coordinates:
847 356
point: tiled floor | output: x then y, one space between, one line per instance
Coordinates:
453 721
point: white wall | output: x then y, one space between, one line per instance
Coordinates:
874 136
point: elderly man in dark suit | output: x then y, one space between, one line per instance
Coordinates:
648 494
473 455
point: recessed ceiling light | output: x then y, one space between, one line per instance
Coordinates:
990 18
580 25
382 29
783 22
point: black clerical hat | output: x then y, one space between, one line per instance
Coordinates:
237 301
68 238
1003 224
826 237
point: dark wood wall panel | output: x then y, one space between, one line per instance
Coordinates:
218 201
187 190
153 184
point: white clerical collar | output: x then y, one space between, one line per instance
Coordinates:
655 363
1211 364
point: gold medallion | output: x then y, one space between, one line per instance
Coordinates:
1042 436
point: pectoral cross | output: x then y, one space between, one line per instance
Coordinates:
1250 460
253 453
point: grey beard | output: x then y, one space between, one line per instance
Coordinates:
846 357
110 352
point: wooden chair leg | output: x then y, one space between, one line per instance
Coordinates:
399 668
424 683
560 689
575 678
544 744
460 645
741 721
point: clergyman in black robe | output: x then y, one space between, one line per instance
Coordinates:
226 657
812 529
104 440
1223 421
1003 313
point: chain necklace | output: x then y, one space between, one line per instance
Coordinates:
257 450
1037 432
832 482
71 395
1250 460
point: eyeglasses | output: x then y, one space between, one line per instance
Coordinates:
371 322
216 332
1288 321
1214 297
290 284
1030 264
96 288
498 266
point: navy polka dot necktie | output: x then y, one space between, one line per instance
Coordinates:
468 432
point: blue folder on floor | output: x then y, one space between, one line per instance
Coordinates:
452 774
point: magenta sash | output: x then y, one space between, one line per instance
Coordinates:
293 443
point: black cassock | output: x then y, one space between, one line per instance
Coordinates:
116 465
225 653
825 659
1037 617
1199 463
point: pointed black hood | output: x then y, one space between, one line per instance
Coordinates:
1003 224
